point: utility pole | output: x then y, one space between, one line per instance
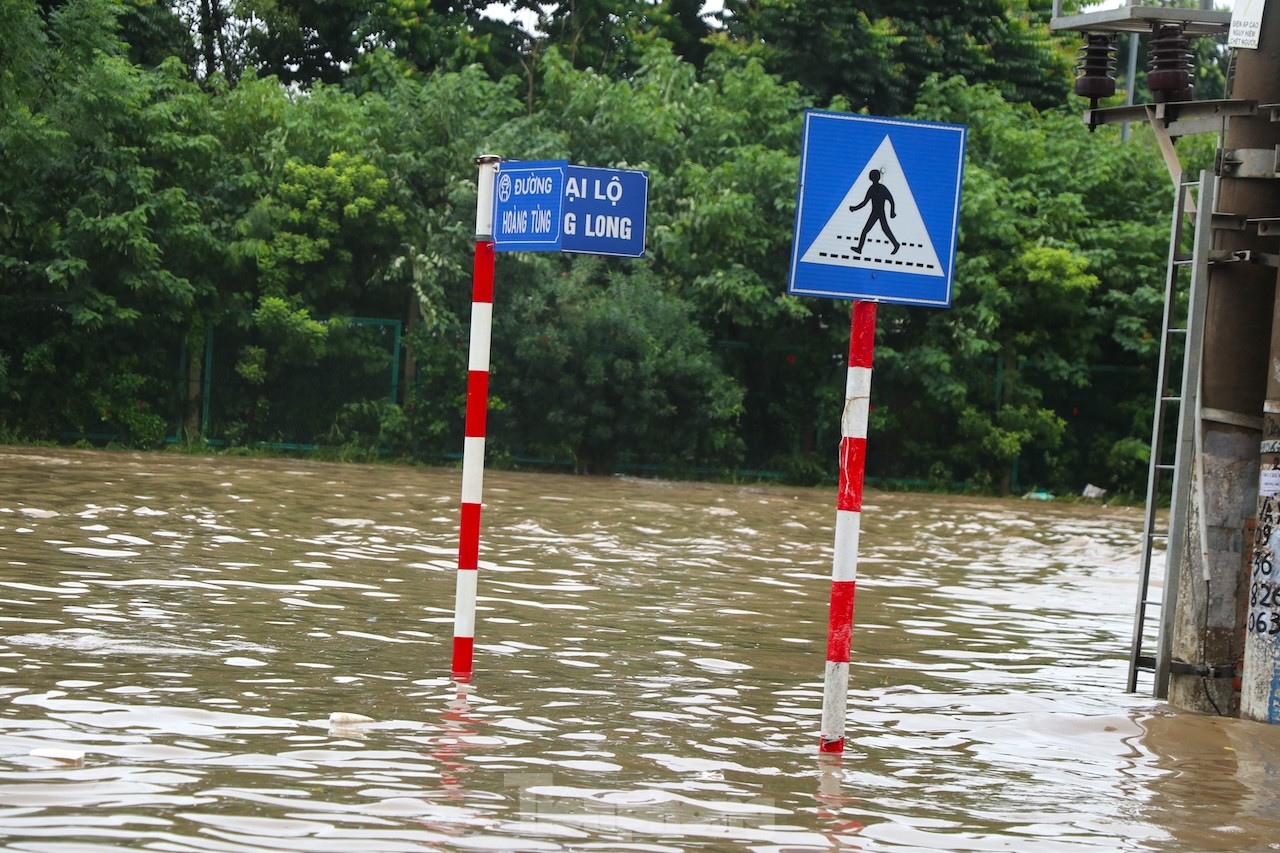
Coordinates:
1238 347
1250 300
1219 645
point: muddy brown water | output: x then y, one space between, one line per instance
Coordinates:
649 658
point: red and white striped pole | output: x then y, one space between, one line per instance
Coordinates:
464 606
844 568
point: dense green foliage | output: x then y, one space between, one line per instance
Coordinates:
199 215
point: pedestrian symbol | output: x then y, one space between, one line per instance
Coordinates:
859 233
877 196
869 225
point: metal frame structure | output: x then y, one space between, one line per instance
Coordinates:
1195 201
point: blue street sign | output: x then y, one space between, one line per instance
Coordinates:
528 202
604 211
877 210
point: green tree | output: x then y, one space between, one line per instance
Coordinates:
167 188
612 36
720 144
155 32
319 41
282 337
441 35
327 232
431 128
102 231
1055 275
876 55
606 367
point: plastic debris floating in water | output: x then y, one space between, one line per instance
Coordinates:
73 757
342 718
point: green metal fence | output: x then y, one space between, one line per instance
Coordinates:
295 405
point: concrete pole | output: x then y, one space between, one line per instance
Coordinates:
1237 351
1260 682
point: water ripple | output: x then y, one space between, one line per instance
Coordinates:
252 654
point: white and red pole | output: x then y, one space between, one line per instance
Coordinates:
844 568
464 608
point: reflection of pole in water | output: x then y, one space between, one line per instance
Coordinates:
451 746
457 734
844 568
831 800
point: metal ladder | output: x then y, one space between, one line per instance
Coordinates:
1195 201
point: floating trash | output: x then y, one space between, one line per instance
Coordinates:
342 718
72 757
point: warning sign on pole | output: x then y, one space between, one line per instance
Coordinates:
1246 23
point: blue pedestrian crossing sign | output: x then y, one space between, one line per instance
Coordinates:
878 209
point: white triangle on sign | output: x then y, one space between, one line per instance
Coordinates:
886 213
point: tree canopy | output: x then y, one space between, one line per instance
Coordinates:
221 221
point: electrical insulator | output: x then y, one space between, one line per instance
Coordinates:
1169 65
1096 68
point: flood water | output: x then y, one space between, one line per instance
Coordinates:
649 660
